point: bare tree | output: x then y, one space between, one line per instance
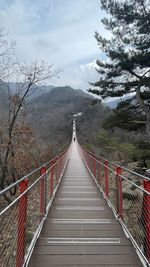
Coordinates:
31 76
7 59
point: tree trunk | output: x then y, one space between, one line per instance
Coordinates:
2 184
146 109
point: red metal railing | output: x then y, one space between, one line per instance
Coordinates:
128 193
22 220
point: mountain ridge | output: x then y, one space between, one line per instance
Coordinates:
51 114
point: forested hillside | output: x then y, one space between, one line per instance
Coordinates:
51 116
100 129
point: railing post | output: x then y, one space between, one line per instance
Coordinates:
22 216
106 179
89 161
146 219
60 166
99 174
94 167
43 192
119 195
52 178
57 170
86 158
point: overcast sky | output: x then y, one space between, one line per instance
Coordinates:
58 31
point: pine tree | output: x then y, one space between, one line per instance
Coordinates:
127 115
127 65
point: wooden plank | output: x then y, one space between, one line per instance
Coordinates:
93 233
83 265
81 227
43 260
123 242
84 250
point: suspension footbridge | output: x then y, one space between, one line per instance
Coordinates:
77 210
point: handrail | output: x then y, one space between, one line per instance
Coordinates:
32 185
23 218
128 198
116 164
5 190
98 160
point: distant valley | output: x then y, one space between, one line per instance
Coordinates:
50 112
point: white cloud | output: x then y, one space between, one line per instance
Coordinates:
60 32
17 19
80 77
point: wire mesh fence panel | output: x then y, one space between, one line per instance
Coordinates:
91 165
113 188
134 178
8 241
34 212
96 170
21 220
133 212
55 176
102 177
48 190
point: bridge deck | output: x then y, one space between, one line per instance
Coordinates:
81 229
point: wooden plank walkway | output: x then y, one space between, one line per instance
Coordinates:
81 229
